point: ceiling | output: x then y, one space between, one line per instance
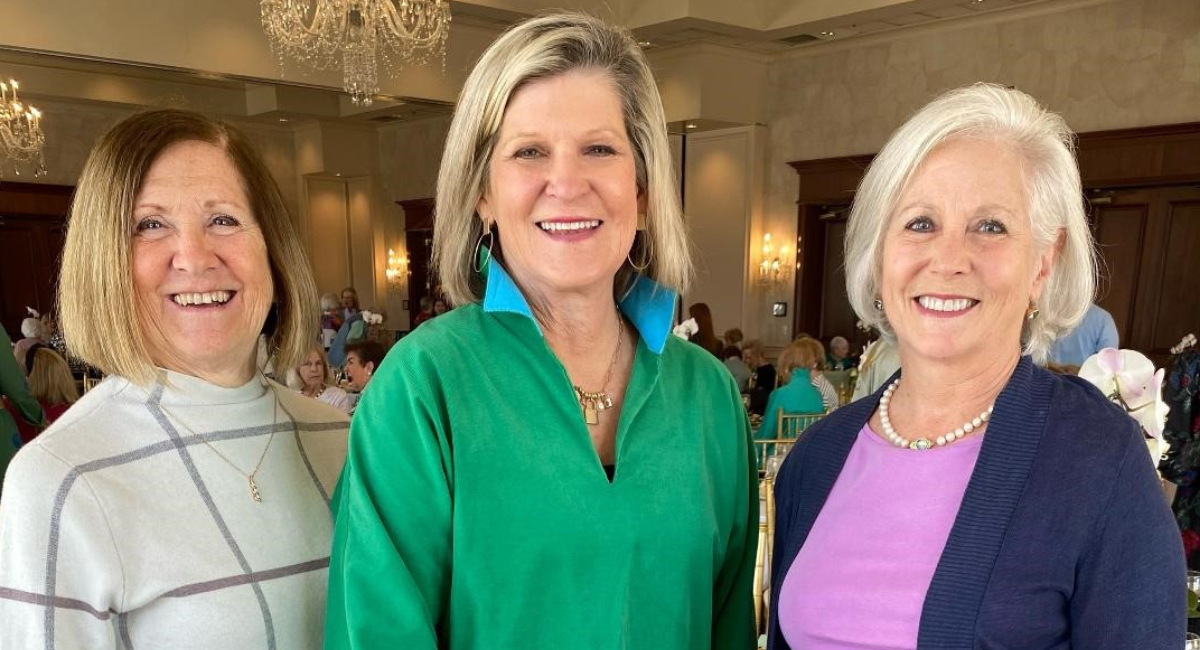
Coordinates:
214 56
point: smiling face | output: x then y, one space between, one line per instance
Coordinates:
312 372
960 264
200 265
563 190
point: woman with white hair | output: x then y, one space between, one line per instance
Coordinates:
546 465
976 500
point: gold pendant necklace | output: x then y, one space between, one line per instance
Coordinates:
594 402
255 494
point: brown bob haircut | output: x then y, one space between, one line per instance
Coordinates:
96 297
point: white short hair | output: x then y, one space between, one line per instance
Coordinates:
31 328
1045 145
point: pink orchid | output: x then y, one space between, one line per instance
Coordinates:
1129 379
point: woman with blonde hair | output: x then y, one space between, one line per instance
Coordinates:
546 465
183 501
816 351
796 393
51 383
314 378
976 500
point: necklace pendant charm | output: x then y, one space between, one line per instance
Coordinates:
590 414
254 494
920 444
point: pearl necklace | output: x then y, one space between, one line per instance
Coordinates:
921 444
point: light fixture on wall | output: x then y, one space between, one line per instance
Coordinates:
22 141
774 267
355 34
397 270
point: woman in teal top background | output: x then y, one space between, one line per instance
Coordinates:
797 393
546 466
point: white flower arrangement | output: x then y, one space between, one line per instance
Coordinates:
1129 379
686 329
372 318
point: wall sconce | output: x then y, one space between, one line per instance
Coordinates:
397 270
774 267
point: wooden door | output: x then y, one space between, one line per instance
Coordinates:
30 250
1150 276
418 239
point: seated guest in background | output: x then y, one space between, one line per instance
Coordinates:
331 318
362 360
796 394
33 331
733 338
1095 332
157 512
353 329
314 378
706 337
737 367
839 355
51 384
440 306
829 395
426 311
350 304
764 375
978 501
510 456
23 408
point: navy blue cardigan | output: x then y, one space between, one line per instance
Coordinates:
1063 540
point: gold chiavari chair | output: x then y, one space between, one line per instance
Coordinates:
89 382
789 427
765 555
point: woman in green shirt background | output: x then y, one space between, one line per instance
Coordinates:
545 466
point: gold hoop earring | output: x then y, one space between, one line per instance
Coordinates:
1032 313
878 305
648 255
477 260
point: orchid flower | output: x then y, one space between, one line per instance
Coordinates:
686 329
1129 380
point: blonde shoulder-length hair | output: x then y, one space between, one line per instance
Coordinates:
50 379
539 48
293 379
1045 144
97 302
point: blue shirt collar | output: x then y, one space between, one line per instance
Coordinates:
647 304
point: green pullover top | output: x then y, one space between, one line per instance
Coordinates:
12 386
473 512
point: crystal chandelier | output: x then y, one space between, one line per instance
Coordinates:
21 138
357 33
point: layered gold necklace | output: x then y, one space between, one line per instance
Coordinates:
593 403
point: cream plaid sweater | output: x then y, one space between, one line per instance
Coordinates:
121 528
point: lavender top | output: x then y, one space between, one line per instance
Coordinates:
860 579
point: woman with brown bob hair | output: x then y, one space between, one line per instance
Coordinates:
186 488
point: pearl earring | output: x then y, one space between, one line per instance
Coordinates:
878 305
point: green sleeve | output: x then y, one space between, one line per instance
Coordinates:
389 571
13 386
358 330
733 602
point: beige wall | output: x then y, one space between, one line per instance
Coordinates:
723 180
1106 65
329 224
